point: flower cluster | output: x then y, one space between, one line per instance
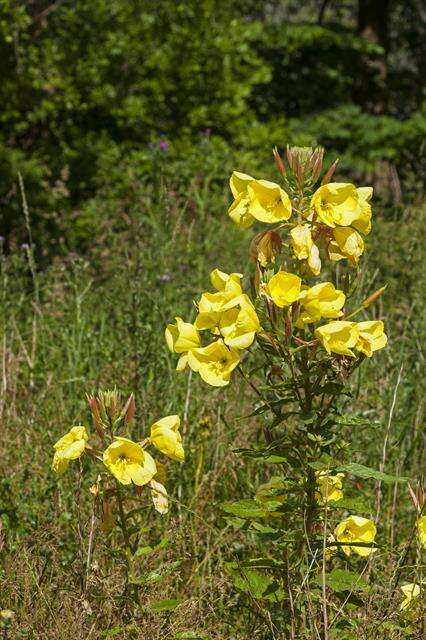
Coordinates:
230 317
127 461
335 217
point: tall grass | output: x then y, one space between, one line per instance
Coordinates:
97 320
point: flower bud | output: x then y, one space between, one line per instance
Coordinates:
373 297
97 423
279 162
129 409
329 173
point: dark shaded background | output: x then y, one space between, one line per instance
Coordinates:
185 90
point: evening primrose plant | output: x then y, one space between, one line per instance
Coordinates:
295 336
124 468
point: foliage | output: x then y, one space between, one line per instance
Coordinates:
85 83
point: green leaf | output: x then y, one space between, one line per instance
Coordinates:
262 563
341 580
361 471
165 605
111 633
259 585
244 509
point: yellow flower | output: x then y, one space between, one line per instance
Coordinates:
421 530
239 324
69 447
371 337
347 243
411 592
329 486
239 209
128 462
363 222
322 300
214 363
182 336
353 530
166 438
338 337
212 305
304 247
226 282
336 203
283 288
268 202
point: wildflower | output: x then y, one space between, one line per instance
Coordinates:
336 203
347 243
284 288
212 305
239 209
421 530
304 247
338 337
214 363
329 486
240 324
371 337
128 462
411 592
363 222
226 282
268 202
353 530
166 438
322 300
69 447
182 336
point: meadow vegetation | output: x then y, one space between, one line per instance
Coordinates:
114 192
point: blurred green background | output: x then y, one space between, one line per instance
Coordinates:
93 90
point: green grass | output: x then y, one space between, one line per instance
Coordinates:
98 322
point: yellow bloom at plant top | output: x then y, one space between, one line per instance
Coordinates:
338 337
304 248
239 324
239 209
322 300
336 203
342 204
411 592
330 487
214 363
166 438
353 530
268 202
421 530
69 447
284 288
371 337
128 462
